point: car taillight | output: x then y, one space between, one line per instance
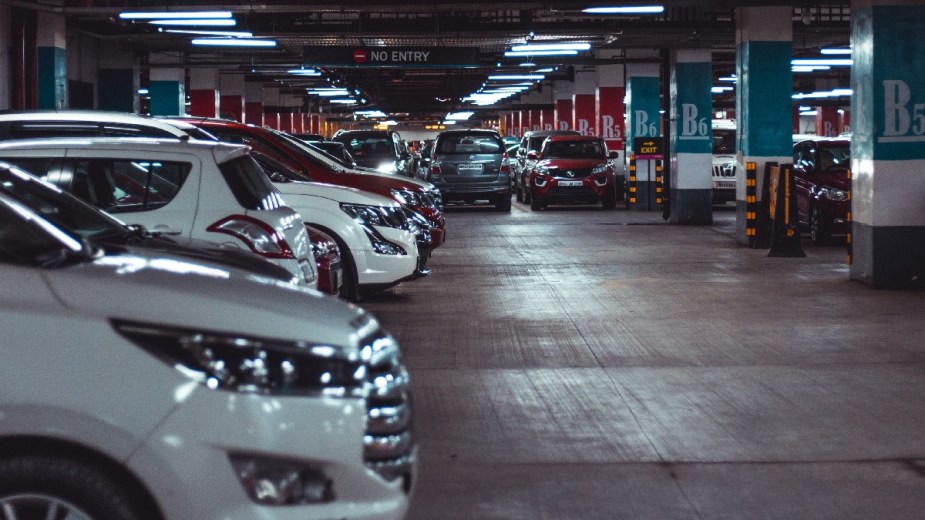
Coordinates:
435 168
258 235
505 164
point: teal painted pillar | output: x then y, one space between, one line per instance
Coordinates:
764 96
691 192
51 61
642 95
888 144
168 92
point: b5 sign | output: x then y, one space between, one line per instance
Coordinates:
903 118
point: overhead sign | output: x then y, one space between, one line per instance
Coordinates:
391 56
648 148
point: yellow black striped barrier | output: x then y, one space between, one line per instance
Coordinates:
659 183
751 202
631 183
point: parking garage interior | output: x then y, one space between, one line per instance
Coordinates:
677 357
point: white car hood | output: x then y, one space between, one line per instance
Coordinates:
335 193
171 291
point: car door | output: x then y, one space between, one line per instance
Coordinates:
158 192
803 166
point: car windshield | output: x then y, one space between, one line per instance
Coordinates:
60 208
573 150
724 141
469 144
362 146
835 156
308 151
27 239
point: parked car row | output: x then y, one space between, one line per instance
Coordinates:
153 375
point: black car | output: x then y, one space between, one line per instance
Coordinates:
91 224
380 150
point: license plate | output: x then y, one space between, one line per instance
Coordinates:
570 183
469 168
726 184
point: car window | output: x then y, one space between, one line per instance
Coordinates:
536 143
834 156
127 185
27 241
369 146
469 144
724 141
250 185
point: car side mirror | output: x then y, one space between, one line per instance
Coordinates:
533 155
613 154
278 177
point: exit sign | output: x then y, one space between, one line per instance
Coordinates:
648 148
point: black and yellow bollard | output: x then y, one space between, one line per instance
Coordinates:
631 182
785 231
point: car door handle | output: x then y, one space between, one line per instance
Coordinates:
164 229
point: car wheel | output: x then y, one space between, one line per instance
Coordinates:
48 487
609 201
350 287
817 231
503 203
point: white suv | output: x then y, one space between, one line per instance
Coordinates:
724 161
197 189
151 388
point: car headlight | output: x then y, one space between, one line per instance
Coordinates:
239 363
407 197
834 194
600 168
388 167
374 215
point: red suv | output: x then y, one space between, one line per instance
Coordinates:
823 187
300 157
572 169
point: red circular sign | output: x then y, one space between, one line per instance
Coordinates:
359 55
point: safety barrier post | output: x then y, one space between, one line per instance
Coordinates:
631 184
785 232
751 203
848 221
659 184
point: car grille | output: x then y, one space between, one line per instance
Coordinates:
576 173
388 446
724 170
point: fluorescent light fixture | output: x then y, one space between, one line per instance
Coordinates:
329 93
579 46
459 116
626 9
832 62
838 92
517 54
230 34
329 89
370 113
813 68
233 42
344 101
720 90
448 123
206 22
516 77
833 51
805 109
809 113
527 64
173 15
304 72
547 69
731 79
842 92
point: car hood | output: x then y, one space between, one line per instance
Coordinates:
835 177
333 192
381 184
204 252
568 164
171 290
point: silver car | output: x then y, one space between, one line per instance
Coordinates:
470 165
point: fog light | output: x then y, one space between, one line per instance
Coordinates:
839 220
277 482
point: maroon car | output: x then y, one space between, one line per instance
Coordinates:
327 257
823 187
317 166
572 169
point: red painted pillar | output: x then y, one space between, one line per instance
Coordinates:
827 121
584 118
609 116
563 114
253 104
547 119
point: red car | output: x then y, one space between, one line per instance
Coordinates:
300 157
327 257
572 169
823 187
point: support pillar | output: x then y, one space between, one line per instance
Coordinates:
52 61
253 103
118 80
763 96
691 193
5 70
584 117
562 94
827 121
271 107
204 92
609 105
888 144
643 104
231 96
168 92
547 119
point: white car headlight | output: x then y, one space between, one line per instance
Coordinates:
600 168
834 193
388 167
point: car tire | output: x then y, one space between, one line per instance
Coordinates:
503 203
536 205
818 234
350 287
85 492
609 201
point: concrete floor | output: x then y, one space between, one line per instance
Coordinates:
582 364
